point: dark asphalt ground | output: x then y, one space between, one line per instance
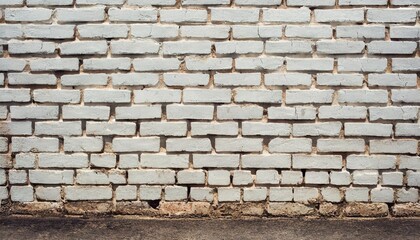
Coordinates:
123 228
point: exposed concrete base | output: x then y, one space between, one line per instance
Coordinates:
204 209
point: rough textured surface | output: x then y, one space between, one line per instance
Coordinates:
210 107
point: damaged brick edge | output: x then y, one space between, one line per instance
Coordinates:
207 210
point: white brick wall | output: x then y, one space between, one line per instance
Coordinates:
210 101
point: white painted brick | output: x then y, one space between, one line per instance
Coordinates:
15 95
368 129
179 111
218 178
287 79
317 177
214 128
138 112
163 128
404 32
26 160
150 2
206 64
242 178
18 177
342 112
98 177
254 31
362 64
307 64
86 112
15 128
391 15
27 14
239 144
103 160
391 47
48 193
202 194
317 129
392 178
290 145
107 64
186 47
258 63
413 179
128 161
305 194
31 79
257 2
59 160
362 2
58 128
34 144
257 96
54 64
239 47
281 194
393 113
150 192
134 79
301 161
155 64
228 112
361 31
292 113
406 95
371 162
255 194
311 3
22 193
214 31
340 178
340 16
292 15
405 64
83 47
51 176
291 177
285 46
382 194
183 15
12 64
126 193
146 144
227 194
232 15
56 96
362 96
357 194
151 177
265 161
393 146
84 79
164 161
409 162
175 193
83 144
206 95
309 31
94 2
34 112
185 79
365 177
266 129
216 160
267 177
191 177
392 80
106 96
309 96
99 31
341 145
132 15
77 193
188 145
331 194
154 31
405 2
91 14
11 31
409 195
111 128
31 46
339 47
53 31
328 79
205 2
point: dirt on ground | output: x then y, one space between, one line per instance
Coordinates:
22 227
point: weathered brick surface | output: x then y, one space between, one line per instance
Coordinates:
259 107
